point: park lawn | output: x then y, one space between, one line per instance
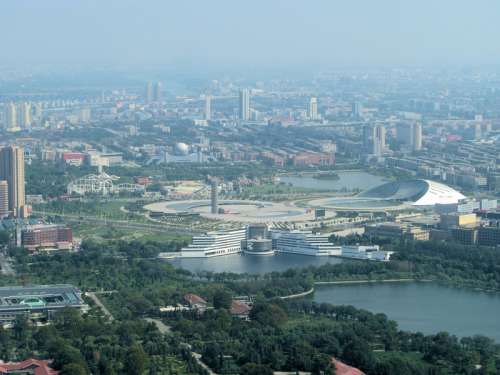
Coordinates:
107 233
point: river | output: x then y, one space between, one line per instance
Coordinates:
348 180
251 264
423 307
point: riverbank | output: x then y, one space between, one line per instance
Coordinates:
427 307
341 282
348 282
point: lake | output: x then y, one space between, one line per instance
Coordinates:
423 307
348 180
252 264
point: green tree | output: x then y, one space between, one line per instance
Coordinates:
4 237
268 314
73 369
136 361
222 299
255 369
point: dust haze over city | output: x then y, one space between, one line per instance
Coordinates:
254 188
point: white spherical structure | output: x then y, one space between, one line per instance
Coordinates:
181 149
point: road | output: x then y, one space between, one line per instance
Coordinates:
98 302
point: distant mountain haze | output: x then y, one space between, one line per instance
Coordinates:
262 33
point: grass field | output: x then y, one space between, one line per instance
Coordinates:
107 233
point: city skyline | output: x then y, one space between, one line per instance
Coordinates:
190 187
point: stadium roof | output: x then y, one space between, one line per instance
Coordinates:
417 192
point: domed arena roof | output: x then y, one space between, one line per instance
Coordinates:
418 192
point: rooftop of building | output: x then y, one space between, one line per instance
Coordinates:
193 299
60 295
418 192
343 369
35 366
240 308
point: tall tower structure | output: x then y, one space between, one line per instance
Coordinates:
313 108
208 107
4 199
244 104
12 171
214 203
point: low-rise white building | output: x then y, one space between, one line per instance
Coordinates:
304 243
370 252
215 243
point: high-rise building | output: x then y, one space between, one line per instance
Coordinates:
379 140
356 109
208 107
417 136
410 134
12 171
11 117
149 92
368 137
37 111
157 92
244 104
25 115
374 139
4 199
313 108
84 115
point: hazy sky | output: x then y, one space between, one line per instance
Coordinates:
251 32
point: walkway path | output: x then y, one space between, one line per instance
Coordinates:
165 329
298 295
98 302
162 327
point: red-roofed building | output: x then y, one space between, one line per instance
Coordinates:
73 158
342 369
29 366
195 301
240 309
